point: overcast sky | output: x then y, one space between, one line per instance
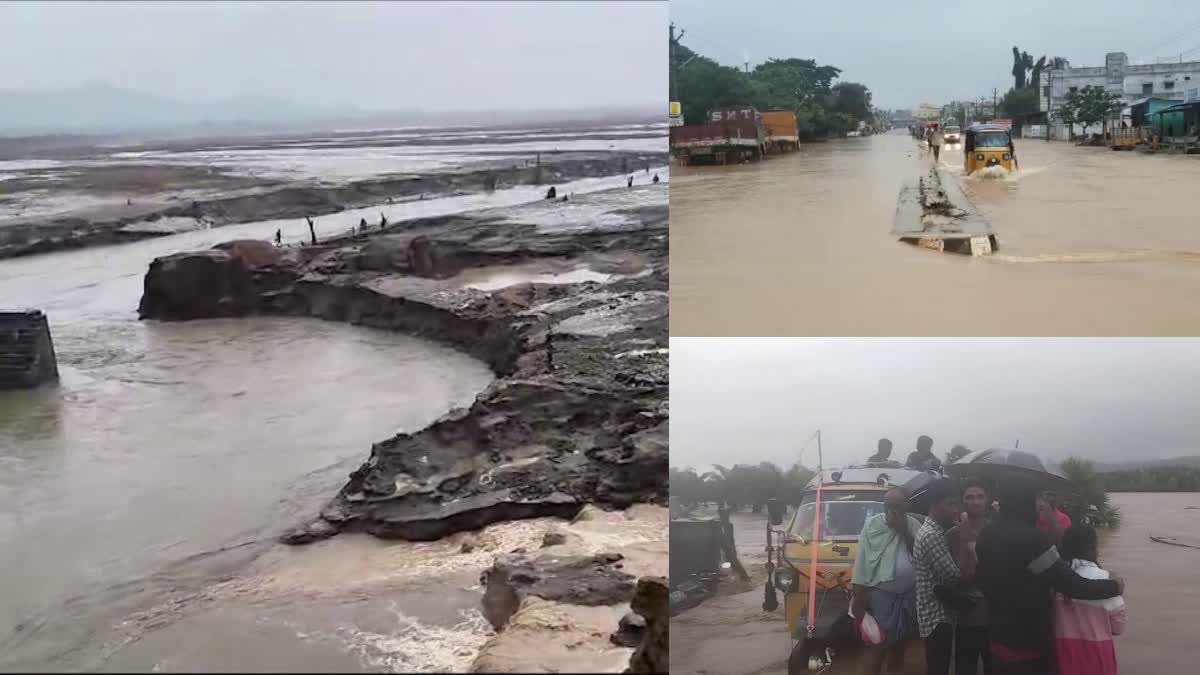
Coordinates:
746 400
925 51
387 55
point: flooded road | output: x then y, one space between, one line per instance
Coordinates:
732 634
1092 242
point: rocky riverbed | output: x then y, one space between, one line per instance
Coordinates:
567 303
92 203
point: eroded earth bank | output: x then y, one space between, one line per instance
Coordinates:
567 303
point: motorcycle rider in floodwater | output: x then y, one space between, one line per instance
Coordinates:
655 178
279 237
551 193
382 221
362 225
312 231
631 181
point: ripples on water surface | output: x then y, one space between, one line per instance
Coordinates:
799 245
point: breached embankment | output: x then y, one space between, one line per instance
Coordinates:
934 213
271 200
578 413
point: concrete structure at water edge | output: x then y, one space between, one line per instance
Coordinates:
1178 81
27 356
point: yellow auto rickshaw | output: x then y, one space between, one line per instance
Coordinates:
988 145
847 498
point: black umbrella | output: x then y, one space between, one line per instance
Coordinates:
998 464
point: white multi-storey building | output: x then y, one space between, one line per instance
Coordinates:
927 112
1175 81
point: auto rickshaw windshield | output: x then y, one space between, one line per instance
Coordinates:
992 139
843 515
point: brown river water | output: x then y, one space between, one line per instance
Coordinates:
171 455
1092 242
731 635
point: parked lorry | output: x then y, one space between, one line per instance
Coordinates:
731 135
782 131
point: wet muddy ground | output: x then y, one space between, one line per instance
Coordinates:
1092 242
106 194
733 635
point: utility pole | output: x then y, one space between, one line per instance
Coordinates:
674 74
995 112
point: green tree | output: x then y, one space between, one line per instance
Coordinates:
1088 502
853 99
1068 113
1017 103
1091 105
1154 479
705 84
686 486
786 83
800 85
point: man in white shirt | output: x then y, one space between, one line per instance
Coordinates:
936 139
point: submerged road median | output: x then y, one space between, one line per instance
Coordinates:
934 213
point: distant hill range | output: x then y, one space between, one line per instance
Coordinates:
1112 467
101 109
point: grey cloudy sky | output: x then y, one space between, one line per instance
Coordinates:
389 55
935 51
746 400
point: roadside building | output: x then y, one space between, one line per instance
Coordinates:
927 112
1178 126
1136 83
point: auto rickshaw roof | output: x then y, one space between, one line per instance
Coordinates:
975 128
910 479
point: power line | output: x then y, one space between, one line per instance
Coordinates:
1175 36
1190 27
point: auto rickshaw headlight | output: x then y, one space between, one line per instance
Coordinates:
979 156
787 580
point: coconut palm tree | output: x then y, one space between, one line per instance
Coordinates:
1088 501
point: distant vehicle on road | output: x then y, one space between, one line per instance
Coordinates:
953 134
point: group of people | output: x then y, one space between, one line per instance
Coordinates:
921 459
1004 580
312 229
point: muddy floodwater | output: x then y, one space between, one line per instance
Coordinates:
732 635
1092 242
140 499
165 443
